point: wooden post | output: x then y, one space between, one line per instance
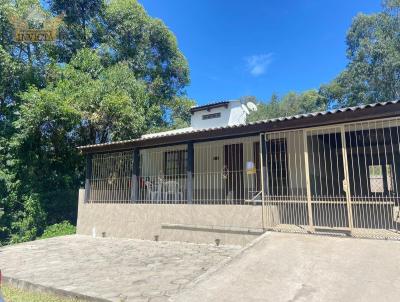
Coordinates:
190 172
88 176
135 175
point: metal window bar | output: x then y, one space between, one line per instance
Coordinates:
228 172
163 175
351 181
341 177
286 196
111 178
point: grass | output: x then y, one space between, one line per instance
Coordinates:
12 294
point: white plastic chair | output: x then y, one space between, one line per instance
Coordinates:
171 189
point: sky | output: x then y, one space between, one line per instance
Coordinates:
259 47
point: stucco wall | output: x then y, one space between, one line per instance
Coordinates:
144 221
233 115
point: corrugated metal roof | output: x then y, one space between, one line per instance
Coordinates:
210 105
274 120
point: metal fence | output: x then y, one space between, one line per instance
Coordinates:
111 178
163 173
337 178
227 172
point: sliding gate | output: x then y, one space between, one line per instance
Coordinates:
343 178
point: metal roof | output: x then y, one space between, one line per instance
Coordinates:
252 126
210 106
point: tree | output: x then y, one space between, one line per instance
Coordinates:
290 104
123 32
373 50
114 73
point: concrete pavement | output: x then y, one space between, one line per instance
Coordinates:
294 267
112 269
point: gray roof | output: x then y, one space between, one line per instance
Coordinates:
209 106
261 122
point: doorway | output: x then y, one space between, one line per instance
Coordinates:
233 172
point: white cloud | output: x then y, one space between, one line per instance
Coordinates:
258 64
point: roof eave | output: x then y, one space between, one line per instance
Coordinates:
312 120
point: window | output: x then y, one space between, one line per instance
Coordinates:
175 163
380 178
211 116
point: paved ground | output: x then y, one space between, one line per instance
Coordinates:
111 268
295 267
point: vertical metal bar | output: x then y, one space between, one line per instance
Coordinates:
308 184
135 175
264 175
346 177
190 172
88 177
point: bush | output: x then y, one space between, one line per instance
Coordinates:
59 229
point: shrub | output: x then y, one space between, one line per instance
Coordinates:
59 229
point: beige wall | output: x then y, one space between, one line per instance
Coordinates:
144 221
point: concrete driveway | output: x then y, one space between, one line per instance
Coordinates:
112 269
295 267
276 267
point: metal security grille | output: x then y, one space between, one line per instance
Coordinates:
227 172
335 178
374 162
285 196
111 178
163 175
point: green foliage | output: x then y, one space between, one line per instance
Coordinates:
372 73
59 229
15 294
31 220
373 50
114 73
290 104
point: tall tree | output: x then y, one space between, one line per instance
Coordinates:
373 51
113 73
122 31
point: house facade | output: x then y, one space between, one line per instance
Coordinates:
222 179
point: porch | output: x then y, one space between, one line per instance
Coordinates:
337 178
213 172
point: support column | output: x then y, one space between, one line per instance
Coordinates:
346 180
264 179
308 182
88 176
190 172
135 175
264 170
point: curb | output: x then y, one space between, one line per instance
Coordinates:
22 284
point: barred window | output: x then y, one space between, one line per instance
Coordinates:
175 163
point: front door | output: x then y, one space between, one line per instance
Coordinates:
233 172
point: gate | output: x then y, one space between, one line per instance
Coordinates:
343 178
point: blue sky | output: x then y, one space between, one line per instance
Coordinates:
254 47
